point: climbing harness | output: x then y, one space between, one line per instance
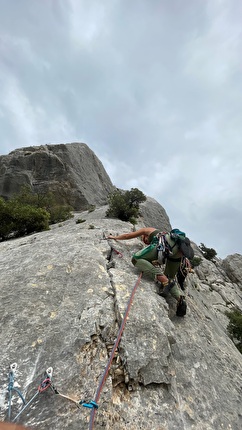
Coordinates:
105 374
11 388
164 249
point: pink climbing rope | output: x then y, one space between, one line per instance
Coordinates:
105 374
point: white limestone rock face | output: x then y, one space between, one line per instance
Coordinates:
71 171
63 295
232 264
154 215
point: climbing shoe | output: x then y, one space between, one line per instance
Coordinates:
163 290
181 307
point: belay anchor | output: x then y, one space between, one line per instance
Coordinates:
11 388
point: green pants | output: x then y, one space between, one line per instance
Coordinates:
142 260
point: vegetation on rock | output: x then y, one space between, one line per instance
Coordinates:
196 261
208 253
124 205
30 212
235 327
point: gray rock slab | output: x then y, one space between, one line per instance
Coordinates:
71 171
63 296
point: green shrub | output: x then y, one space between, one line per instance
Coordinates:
91 208
196 261
80 220
235 327
17 219
133 220
124 205
6 220
59 213
47 201
208 253
28 197
28 219
30 212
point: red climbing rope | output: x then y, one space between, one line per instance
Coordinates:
120 255
105 374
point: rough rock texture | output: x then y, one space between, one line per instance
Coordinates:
233 267
154 215
71 171
63 295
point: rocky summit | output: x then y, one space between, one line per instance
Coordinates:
64 296
71 171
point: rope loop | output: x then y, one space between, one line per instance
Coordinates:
46 383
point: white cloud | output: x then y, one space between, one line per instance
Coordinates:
87 22
18 109
152 87
214 56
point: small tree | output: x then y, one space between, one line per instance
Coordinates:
59 213
208 253
124 205
6 220
18 219
45 200
28 219
196 261
235 327
30 212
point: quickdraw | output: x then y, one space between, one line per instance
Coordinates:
93 404
161 248
11 388
83 403
43 386
119 254
46 383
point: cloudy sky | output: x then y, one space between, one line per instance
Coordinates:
153 87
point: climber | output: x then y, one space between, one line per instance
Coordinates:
146 261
